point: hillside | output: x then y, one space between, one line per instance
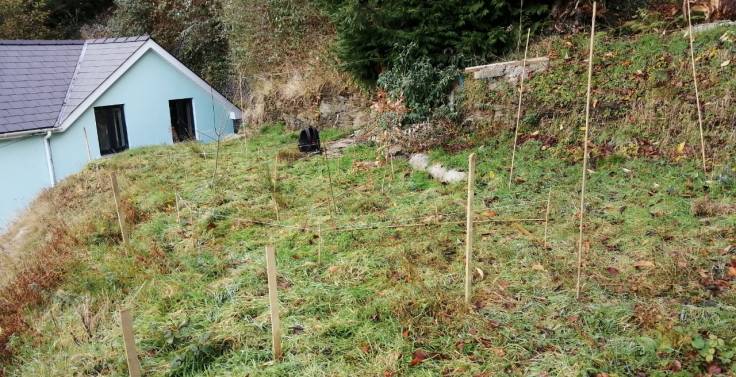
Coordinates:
386 301
381 292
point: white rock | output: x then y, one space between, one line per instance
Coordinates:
437 172
419 161
454 176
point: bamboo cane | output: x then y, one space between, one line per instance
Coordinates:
585 156
518 110
695 83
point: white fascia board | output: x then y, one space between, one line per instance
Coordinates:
20 134
150 45
193 76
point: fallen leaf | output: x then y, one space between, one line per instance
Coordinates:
731 272
681 148
714 369
643 264
727 62
538 267
613 270
675 366
333 269
489 213
480 273
418 357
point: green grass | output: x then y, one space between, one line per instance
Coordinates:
643 93
199 296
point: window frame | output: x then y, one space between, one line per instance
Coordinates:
120 133
191 114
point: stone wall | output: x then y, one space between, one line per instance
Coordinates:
510 71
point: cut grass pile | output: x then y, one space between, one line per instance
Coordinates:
657 297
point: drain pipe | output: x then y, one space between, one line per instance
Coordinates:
49 160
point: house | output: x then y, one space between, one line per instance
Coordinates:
63 103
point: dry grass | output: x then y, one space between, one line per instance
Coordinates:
705 207
34 281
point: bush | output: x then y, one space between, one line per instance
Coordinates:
421 86
192 33
266 36
368 30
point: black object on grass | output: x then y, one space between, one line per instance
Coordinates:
309 140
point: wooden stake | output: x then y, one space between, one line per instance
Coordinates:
469 228
546 217
332 191
518 110
245 134
274 178
585 156
319 248
86 143
134 365
391 160
217 160
695 83
116 196
178 215
273 301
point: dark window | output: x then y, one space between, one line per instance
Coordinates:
111 131
237 123
182 119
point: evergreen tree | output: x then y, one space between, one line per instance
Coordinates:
369 31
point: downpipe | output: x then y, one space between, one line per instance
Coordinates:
49 159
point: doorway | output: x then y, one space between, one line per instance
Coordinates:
111 130
182 119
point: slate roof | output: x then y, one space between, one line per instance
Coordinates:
42 82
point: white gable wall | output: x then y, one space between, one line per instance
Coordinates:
144 91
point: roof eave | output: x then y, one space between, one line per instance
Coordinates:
26 133
149 45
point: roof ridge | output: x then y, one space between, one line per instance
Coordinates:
64 42
65 112
71 84
136 38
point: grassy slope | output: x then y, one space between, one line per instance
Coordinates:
643 93
199 289
382 294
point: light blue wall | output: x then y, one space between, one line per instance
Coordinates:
144 91
23 174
